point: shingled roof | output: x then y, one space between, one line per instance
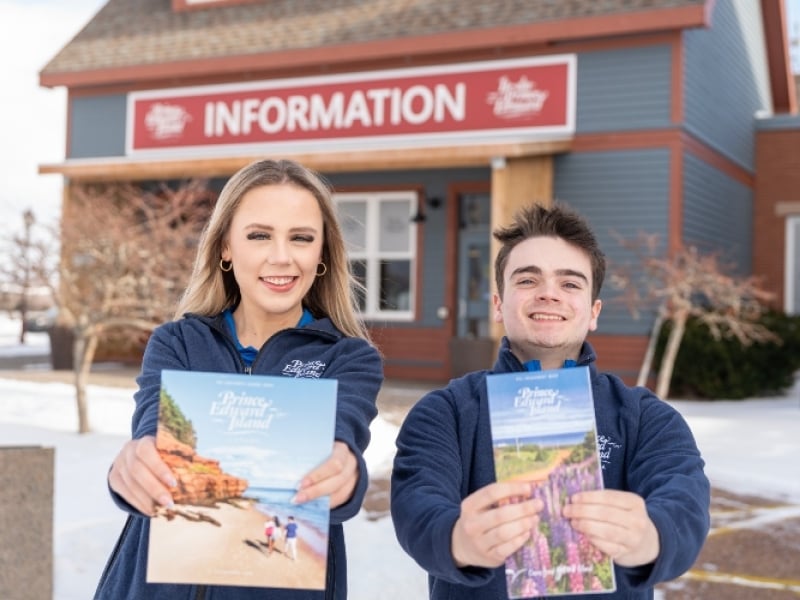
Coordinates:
135 33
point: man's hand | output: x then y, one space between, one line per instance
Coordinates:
495 521
336 477
617 524
140 476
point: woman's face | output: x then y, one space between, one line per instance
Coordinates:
275 244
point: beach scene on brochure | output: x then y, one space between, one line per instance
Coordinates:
231 442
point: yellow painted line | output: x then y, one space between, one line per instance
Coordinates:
758 518
743 512
787 585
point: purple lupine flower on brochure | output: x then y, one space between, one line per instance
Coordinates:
543 431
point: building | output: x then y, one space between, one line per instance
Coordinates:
436 120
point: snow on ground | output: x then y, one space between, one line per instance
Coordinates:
750 447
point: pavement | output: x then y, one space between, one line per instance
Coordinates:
752 551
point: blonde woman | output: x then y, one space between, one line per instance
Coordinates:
271 293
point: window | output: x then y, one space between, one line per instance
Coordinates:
381 243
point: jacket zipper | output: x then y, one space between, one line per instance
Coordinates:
115 553
247 370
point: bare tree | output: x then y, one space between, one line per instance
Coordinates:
689 284
126 257
26 271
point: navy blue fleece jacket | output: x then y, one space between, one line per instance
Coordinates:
197 343
444 453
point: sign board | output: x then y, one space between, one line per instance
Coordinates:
526 99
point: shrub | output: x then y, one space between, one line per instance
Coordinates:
717 369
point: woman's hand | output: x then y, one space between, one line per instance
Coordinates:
140 476
337 477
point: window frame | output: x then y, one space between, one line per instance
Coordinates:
792 248
372 255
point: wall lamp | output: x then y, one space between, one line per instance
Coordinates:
433 202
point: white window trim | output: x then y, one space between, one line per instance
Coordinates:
792 248
372 199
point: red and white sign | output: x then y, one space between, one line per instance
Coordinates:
517 99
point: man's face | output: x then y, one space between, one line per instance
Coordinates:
547 307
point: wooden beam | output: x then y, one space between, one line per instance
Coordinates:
127 169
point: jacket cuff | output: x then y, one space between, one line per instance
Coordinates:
350 509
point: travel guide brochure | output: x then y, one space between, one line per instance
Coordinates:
543 431
238 446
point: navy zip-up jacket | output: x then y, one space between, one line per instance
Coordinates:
197 343
444 453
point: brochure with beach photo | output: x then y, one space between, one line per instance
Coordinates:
544 431
238 446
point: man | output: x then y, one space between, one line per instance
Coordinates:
291 538
449 512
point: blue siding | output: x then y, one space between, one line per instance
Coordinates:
717 214
622 90
98 126
622 194
724 80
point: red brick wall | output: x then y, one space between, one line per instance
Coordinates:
620 354
777 181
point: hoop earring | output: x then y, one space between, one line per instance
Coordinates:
324 269
222 265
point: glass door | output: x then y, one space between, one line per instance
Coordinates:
474 299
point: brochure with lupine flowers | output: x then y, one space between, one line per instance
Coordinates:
238 446
544 431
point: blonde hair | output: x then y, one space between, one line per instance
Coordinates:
333 295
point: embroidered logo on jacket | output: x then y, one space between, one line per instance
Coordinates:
311 369
604 447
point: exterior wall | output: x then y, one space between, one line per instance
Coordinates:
619 354
624 89
97 126
717 213
725 83
777 196
622 194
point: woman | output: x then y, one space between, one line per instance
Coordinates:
271 293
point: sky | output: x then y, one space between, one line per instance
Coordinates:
750 447
241 417
556 404
33 119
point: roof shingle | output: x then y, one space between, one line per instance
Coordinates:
132 33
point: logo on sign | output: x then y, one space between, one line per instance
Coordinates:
514 100
165 121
